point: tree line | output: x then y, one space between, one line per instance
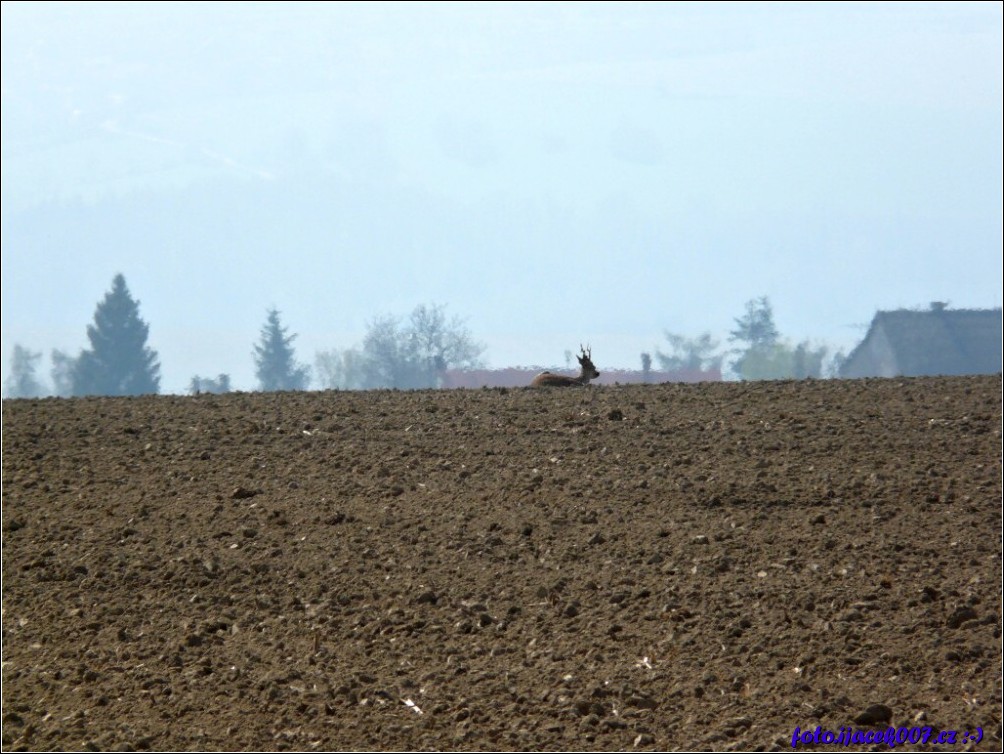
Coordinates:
760 352
403 354
118 362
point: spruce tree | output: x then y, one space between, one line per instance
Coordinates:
276 367
118 361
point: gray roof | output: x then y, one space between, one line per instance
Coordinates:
938 341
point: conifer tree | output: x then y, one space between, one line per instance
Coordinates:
22 382
118 361
276 367
757 326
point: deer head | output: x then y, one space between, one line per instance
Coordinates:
586 362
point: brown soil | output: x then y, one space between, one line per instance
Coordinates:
652 567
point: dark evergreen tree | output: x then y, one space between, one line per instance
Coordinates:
118 362
275 365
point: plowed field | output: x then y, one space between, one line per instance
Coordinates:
638 567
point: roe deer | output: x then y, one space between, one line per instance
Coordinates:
588 372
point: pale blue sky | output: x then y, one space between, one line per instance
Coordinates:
553 173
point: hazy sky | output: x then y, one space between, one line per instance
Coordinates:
555 173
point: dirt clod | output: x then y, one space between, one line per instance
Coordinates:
874 714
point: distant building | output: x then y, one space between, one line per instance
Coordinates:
938 341
522 376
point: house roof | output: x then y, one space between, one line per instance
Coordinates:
936 341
